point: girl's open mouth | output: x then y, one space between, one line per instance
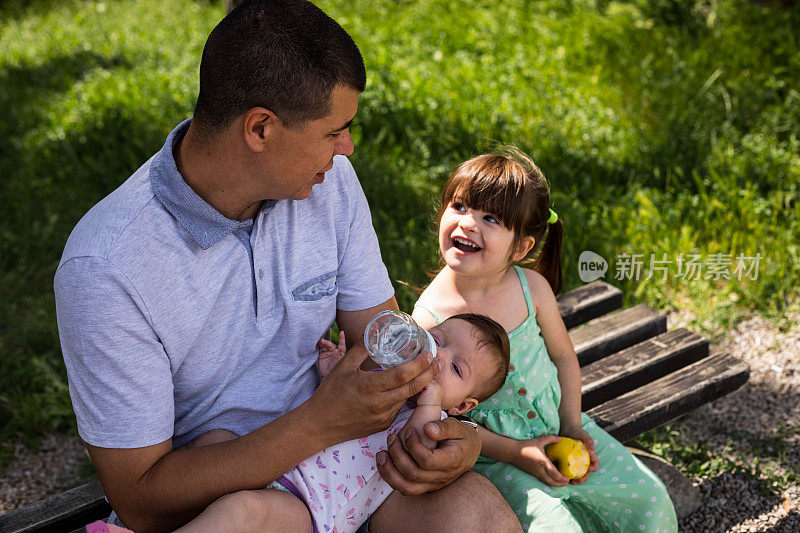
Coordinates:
465 245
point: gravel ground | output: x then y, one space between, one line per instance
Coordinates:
760 421
59 464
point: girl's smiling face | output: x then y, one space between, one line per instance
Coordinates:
473 241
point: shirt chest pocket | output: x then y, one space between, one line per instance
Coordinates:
317 288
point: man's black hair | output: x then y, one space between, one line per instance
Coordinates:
284 55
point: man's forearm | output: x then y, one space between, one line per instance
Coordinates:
183 482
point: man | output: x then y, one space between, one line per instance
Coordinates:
192 297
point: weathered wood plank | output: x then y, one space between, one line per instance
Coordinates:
640 364
589 301
62 512
667 398
617 331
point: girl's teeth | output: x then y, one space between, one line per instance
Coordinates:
462 243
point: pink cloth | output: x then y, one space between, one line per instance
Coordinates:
102 527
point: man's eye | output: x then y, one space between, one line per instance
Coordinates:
457 371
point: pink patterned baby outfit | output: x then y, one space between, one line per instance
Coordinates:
341 485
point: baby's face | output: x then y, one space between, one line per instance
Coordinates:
464 366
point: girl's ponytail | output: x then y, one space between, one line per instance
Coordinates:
548 264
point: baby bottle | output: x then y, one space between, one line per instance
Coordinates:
393 338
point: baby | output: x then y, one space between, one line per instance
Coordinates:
340 486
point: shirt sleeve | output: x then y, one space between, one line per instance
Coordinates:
119 375
362 277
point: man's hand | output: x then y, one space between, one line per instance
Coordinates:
351 403
420 469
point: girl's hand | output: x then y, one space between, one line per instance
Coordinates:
330 354
531 458
578 433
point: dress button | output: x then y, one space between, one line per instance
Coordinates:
531 415
522 392
510 368
260 273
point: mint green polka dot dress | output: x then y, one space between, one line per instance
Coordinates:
622 495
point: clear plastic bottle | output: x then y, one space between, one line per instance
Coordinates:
393 338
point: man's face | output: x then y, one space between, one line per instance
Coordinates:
464 366
298 158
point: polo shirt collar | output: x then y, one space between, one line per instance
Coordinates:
206 225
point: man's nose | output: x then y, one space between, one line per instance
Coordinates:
344 145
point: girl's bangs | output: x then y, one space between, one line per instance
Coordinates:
500 195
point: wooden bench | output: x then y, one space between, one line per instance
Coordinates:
636 376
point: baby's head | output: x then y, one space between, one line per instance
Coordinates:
475 356
508 187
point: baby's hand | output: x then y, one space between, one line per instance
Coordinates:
531 458
432 394
330 354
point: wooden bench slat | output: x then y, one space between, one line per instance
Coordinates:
617 331
62 512
589 301
667 398
640 364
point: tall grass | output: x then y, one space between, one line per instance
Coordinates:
665 128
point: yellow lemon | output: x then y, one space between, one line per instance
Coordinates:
570 457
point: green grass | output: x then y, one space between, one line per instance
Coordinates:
664 127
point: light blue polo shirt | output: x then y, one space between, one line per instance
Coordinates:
175 320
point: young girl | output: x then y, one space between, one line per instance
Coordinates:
494 214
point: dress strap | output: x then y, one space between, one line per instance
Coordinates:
433 313
523 279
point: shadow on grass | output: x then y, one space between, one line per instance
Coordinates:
26 89
19 9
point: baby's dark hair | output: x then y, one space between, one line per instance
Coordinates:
510 186
491 335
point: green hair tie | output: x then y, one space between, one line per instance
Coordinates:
553 217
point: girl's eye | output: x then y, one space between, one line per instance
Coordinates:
458 206
456 370
490 218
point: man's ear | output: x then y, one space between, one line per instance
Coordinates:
259 124
467 405
523 248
